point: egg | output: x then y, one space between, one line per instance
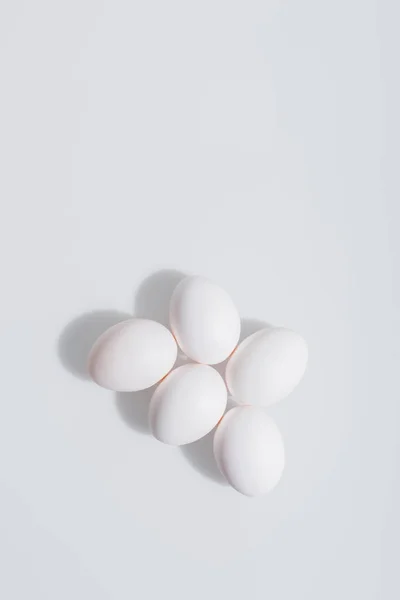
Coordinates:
266 366
187 404
249 451
132 355
204 320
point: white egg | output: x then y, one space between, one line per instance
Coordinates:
266 366
249 451
187 404
132 355
204 320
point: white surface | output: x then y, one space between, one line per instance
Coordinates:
255 143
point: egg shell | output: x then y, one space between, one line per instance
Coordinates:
132 355
187 404
266 366
204 320
249 451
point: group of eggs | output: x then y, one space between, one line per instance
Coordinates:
191 400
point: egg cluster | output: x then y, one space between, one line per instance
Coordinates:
191 400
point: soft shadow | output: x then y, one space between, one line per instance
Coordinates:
201 457
154 294
78 337
133 408
250 326
220 367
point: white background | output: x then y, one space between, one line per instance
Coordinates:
252 142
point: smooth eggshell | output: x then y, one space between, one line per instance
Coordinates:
132 355
187 404
266 366
204 320
249 451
